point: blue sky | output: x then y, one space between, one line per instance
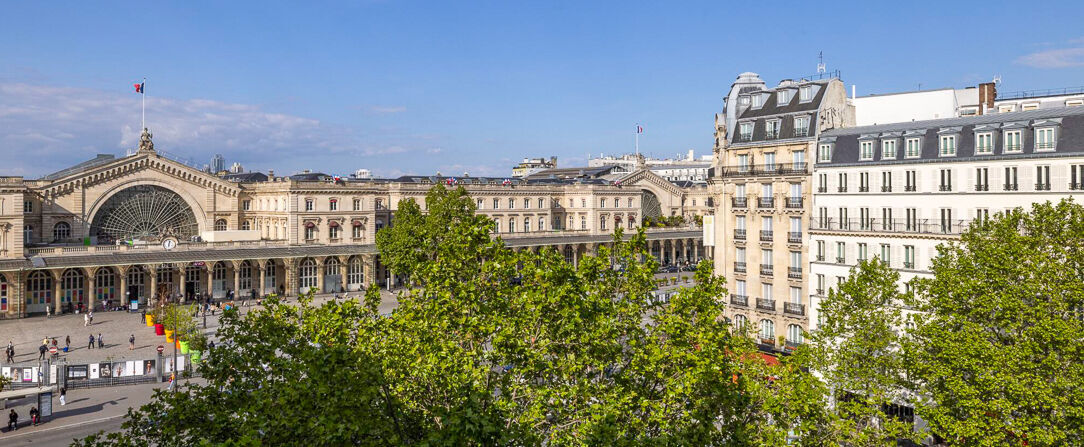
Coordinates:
417 87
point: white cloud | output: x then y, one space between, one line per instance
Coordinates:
387 110
48 128
1058 58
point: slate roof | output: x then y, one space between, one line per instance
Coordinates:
99 160
1069 137
246 177
772 110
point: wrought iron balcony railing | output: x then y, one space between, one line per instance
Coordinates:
771 169
794 309
766 304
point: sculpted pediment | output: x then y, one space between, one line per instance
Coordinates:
149 165
642 176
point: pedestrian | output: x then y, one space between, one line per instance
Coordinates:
11 353
63 395
13 421
86 320
91 316
100 343
67 342
143 317
131 342
90 344
41 352
34 415
172 378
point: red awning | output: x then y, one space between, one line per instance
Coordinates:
333 224
309 225
357 223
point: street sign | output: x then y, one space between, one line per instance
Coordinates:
161 348
52 349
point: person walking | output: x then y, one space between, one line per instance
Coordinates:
67 342
13 421
143 317
172 379
131 342
100 343
63 395
41 352
91 316
34 415
90 343
11 353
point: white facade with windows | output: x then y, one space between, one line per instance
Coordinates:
962 169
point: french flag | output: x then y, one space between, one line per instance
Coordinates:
139 87
639 129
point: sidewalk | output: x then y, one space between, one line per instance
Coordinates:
115 327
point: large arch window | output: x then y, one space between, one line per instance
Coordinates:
794 334
355 272
105 284
244 274
220 225
306 274
3 293
71 286
144 212
246 225
39 288
741 322
62 231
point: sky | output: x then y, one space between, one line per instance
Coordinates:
416 87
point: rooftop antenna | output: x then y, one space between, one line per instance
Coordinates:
820 62
997 79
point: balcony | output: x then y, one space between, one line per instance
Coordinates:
842 189
771 134
794 237
739 267
982 187
886 188
1044 145
739 202
794 272
1076 186
841 260
767 170
739 234
1012 147
763 304
820 292
794 203
766 235
1010 187
801 131
909 188
822 189
915 226
908 264
1042 187
766 269
944 188
765 202
794 309
739 300
820 258
863 189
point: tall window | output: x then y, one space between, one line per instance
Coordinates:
358 231
820 250
886 254
62 231
1042 178
541 203
911 181
863 182
841 252
333 232
946 220
771 128
526 224
355 271
912 219
912 148
602 203
1011 179
909 256
948 145
862 251
583 222
767 329
745 131
310 233
1076 177
946 180
511 224
511 203
982 179
824 153
794 334
357 204
307 274
526 203
246 205
602 221
496 204
888 149
801 126
28 207
886 181
333 204
842 182
1044 139
220 225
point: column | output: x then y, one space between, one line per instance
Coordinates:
262 265
56 290
344 266
369 269
208 269
183 273
18 294
237 279
320 271
88 288
122 280
673 251
152 296
576 256
291 276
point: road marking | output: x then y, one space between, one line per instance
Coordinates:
64 426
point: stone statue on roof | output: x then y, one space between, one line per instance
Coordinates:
145 143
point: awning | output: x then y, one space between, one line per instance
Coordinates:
357 223
309 225
333 224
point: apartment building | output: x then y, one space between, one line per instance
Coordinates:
897 191
762 180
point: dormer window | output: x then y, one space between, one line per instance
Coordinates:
866 152
947 147
888 149
771 128
1006 108
757 101
1074 102
805 94
824 153
781 97
1029 106
745 131
801 126
984 143
913 148
1044 139
743 100
1012 141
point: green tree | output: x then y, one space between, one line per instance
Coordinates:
858 351
998 348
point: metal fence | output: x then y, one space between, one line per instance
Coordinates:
105 373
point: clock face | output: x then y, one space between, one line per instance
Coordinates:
169 244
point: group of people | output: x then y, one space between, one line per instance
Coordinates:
90 341
35 414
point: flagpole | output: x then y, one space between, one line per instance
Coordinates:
637 138
143 99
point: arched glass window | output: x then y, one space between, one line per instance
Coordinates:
246 225
526 224
355 272
105 284
39 288
62 231
602 221
741 322
332 266
794 334
71 286
244 275
220 225
767 329
306 274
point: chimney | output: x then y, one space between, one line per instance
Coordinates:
987 95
